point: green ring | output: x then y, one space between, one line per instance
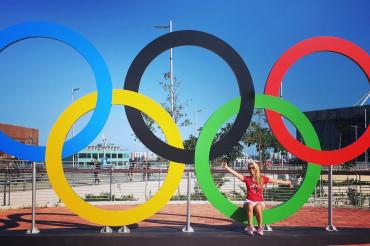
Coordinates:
205 180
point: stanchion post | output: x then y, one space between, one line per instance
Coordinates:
146 183
8 181
124 229
234 177
267 228
187 227
110 183
330 226
33 229
106 229
5 185
359 177
159 177
9 187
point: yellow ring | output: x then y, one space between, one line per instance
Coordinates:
65 192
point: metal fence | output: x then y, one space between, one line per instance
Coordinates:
135 185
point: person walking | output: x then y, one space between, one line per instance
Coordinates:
96 166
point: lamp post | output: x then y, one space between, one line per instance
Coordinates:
366 158
73 126
196 122
356 127
104 161
169 27
281 89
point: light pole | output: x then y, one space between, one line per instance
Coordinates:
366 158
356 127
281 89
73 126
104 161
169 27
281 153
196 122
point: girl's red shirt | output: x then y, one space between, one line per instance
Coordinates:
254 192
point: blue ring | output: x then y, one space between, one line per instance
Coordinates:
27 30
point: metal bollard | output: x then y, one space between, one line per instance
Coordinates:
267 228
124 229
106 229
33 229
9 187
146 185
330 226
159 177
359 177
8 183
188 227
5 185
110 183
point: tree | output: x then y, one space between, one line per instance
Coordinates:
236 151
179 115
190 142
259 134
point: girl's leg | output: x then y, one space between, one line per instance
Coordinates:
250 214
258 211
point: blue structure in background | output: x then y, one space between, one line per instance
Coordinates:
109 155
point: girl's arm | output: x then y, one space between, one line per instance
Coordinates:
283 182
235 173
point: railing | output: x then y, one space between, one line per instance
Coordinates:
350 187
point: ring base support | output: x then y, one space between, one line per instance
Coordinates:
106 229
33 230
187 228
331 228
124 229
267 228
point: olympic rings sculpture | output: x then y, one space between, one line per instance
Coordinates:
57 148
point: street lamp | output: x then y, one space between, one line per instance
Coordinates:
104 162
366 158
356 127
281 89
169 27
196 122
73 126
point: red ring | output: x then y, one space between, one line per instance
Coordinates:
308 46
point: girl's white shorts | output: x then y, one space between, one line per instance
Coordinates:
254 203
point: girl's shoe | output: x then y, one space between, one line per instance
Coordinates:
250 230
259 231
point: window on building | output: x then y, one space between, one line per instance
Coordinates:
120 155
88 155
114 155
95 155
101 156
126 155
107 155
81 155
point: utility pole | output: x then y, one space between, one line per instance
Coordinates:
172 97
196 122
366 158
356 127
73 126
104 161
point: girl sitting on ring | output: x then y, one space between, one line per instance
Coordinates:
254 186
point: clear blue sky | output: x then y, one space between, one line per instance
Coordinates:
37 75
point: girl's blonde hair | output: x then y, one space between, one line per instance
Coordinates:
257 177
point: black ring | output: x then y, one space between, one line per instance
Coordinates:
219 47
